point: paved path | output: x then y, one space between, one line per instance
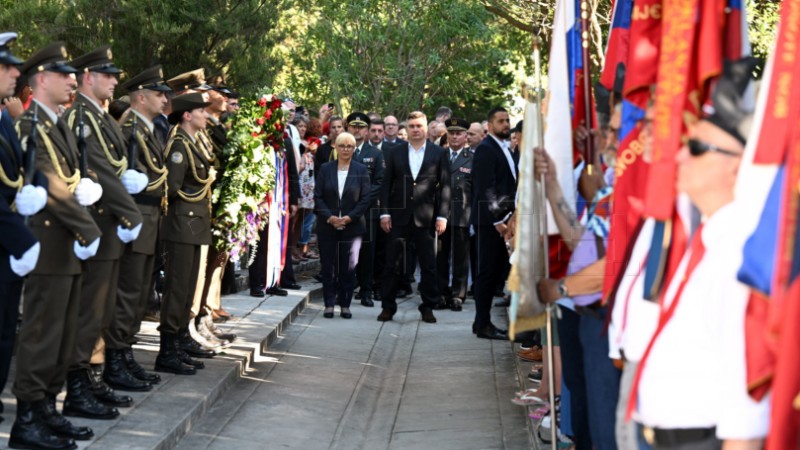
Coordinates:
350 384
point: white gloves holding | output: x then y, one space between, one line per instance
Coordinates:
134 181
88 192
27 262
126 235
84 253
30 200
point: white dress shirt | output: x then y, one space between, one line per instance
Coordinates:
147 122
700 353
50 113
415 158
507 153
342 176
633 319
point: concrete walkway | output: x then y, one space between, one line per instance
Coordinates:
360 384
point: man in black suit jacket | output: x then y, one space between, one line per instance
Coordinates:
494 187
415 202
367 154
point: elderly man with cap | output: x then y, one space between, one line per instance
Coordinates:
19 248
367 154
147 93
702 314
67 234
186 228
454 242
120 221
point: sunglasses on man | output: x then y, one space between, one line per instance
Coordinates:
698 148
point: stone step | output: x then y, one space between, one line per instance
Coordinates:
161 417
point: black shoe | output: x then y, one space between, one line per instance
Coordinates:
188 360
490 332
346 314
30 430
59 424
117 376
103 392
275 290
137 370
385 316
292 286
455 304
499 293
328 313
442 305
192 347
366 300
427 316
81 402
259 293
168 359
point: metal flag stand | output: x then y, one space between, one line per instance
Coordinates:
550 308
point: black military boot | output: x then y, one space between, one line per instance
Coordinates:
117 375
31 431
60 425
138 371
80 402
190 346
103 392
169 359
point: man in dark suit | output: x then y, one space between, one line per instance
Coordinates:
494 186
454 242
415 202
367 154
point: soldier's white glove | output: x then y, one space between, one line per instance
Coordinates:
126 235
84 253
30 200
27 262
134 181
88 192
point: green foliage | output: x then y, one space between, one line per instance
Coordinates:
762 19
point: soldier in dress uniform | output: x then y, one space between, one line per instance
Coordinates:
367 154
19 249
67 234
120 221
454 242
185 229
147 91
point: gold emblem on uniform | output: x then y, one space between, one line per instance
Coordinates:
177 157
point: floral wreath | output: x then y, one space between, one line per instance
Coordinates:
239 197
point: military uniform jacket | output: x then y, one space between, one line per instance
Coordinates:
373 159
150 201
460 189
15 237
63 220
107 157
190 175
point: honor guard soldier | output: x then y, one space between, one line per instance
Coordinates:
147 92
454 242
19 195
367 154
186 228
120 221
67 234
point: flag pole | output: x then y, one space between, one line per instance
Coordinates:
587 83
537 58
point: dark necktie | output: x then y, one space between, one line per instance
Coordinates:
453 156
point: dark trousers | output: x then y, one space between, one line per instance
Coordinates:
287 275
424 240
338 258
491 271
98 300
133 293
473 258
453 252
381 244
366 258
573 371
47 335
182 268
258 270
10 292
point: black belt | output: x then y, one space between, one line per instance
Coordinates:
147 200
589 310
678 436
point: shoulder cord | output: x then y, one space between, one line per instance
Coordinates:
203 193
119 164
72 181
